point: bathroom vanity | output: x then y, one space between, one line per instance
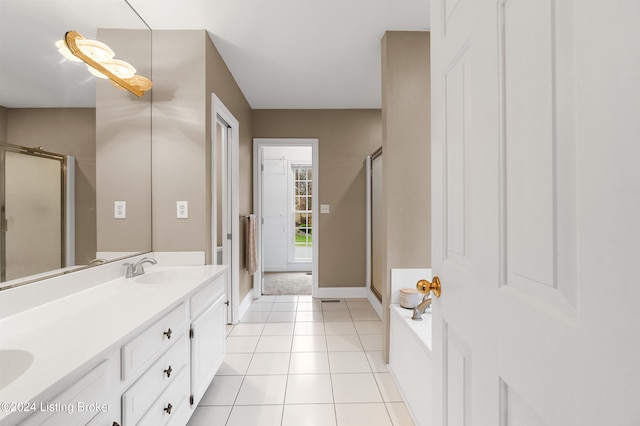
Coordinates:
128 351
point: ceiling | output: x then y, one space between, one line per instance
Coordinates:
283 53
296 53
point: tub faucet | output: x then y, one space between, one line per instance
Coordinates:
138 268
419 310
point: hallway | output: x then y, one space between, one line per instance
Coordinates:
293 360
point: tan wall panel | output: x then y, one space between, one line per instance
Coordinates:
3 124
123 150
406 172
179 162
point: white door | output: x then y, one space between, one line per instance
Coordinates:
536 212
275 214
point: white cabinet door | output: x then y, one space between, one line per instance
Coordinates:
536 200
207 348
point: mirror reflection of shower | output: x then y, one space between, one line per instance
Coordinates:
36 211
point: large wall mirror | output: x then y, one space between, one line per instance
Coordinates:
75 165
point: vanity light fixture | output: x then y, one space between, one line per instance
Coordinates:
100 61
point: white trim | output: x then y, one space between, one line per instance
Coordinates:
341 293
246 302
233 286
258 143
375 303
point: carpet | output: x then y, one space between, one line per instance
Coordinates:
290 283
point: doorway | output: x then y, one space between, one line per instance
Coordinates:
225 201
285 183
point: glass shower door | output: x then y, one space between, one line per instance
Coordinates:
32 218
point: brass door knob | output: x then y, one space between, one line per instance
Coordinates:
426 287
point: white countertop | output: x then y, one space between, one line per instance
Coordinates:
76 331
422 329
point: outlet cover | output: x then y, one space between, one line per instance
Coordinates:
119 209
182 209
324 208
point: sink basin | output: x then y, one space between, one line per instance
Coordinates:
14 363
167 276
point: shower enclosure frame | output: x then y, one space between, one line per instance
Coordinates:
67 205
373 294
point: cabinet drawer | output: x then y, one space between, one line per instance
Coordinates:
137 400
147 346
82 401
170 403
205 297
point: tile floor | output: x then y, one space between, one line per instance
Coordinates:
295 361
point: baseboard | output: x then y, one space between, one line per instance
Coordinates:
246 302
373 300
341 292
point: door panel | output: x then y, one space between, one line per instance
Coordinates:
275 211
535 199
455 184
538 146
457 373
515 411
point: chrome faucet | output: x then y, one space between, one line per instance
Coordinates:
138 268
421 308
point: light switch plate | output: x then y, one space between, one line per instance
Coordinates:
324 208
119 209
182 209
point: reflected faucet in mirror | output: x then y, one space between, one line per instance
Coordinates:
133 270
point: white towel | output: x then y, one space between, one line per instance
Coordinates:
250 244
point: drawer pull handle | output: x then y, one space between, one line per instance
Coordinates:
168 408
168 333
168 371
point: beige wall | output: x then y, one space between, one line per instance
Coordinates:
68 131
406 168
123 150
3 124
187 69
179 160
345 137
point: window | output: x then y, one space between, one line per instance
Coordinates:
302 212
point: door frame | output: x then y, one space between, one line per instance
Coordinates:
258 144
230 209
